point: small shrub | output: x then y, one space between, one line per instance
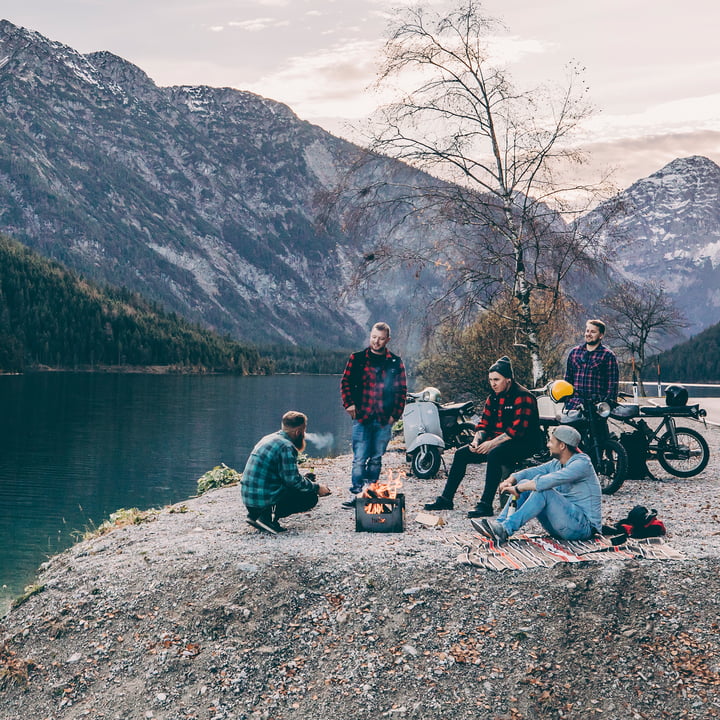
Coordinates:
219 476
120 518
30 590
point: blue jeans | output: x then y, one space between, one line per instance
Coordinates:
369 442
559 517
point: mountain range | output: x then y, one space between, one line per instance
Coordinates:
668 231
213 201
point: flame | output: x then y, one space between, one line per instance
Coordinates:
383 490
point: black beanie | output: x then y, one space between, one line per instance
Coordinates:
502 366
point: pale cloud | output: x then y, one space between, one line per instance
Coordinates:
216 28
329 82
690 114
508 49
258 24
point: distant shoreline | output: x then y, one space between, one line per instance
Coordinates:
130 370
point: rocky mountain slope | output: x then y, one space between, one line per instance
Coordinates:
669 230
214 202
205 199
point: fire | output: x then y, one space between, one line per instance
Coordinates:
383 490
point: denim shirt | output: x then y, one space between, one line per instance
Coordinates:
576 480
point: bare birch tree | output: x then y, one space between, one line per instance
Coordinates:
639 315
494 160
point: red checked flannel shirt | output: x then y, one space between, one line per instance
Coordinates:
594 375
514 413
378 396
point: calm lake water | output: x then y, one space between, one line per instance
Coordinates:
74 447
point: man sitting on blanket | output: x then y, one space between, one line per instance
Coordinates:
563 494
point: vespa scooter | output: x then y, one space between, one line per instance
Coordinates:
430 427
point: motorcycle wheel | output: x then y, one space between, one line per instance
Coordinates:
611 469
425 461
685 458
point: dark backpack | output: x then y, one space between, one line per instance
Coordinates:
639 523
636 447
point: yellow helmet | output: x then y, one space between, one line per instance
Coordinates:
560 390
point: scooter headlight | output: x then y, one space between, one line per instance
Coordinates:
603 409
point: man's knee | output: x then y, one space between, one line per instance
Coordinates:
463 456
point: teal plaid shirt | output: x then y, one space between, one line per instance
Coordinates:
272 467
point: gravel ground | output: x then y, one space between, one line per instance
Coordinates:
194 614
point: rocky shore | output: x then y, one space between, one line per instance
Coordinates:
194 614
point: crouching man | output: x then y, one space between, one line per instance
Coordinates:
563 494
272 486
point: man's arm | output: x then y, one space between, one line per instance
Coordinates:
346 388
289 472
400 393
613 377
570 369
576 470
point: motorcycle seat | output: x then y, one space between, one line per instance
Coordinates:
663 410
462 407
625 411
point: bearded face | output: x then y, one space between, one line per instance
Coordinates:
298 440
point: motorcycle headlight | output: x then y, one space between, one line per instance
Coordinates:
603 409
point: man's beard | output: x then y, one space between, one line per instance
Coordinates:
299 442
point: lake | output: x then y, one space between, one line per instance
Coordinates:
76 447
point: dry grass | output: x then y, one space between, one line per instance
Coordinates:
14 670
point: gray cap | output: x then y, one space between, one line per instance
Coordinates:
568 435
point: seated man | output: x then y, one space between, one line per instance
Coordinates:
508 431
563 494
272 487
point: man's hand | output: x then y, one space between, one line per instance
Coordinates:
351 411
475 443
323 491
509 484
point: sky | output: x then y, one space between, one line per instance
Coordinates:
652 66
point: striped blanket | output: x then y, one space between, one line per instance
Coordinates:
529 551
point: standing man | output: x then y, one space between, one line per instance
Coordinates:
563 494
272 486
508 431
592 369
374 390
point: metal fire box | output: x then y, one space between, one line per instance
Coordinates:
390 520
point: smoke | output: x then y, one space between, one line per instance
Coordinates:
322 441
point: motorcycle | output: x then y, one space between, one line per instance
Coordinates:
430 427
681 451
590 419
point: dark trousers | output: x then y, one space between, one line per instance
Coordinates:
289 502
508 453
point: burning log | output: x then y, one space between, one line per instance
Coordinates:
379 490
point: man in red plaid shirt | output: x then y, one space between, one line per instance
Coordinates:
374 389
508 431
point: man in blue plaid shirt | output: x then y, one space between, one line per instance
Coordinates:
272 486
592 369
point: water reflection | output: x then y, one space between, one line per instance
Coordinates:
74 448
